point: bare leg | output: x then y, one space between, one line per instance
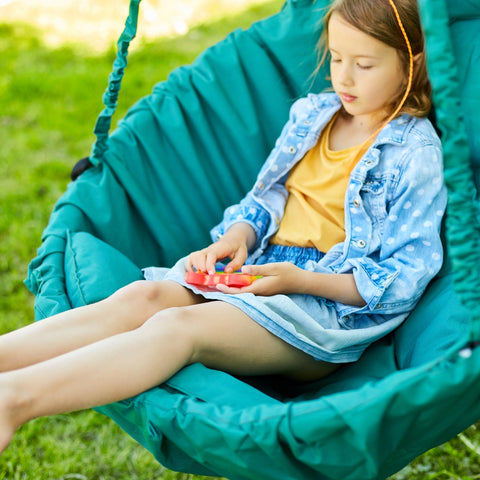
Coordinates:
125 310
216 334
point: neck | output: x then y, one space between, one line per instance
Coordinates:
348 131
365 125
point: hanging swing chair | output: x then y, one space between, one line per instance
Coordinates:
162 179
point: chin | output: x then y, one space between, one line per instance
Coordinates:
350 110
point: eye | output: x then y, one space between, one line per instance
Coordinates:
364 67
335 60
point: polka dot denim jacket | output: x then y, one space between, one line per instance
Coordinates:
394 205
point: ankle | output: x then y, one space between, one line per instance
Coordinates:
14 404
10 419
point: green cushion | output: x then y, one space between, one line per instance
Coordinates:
94 270
438 323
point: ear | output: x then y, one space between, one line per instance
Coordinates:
418 58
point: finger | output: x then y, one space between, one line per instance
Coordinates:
233 290
257 269
237 261
197 260
210 261
225 289
232 266
192 261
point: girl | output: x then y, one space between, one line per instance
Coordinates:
342 224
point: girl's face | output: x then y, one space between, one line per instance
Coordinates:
366 73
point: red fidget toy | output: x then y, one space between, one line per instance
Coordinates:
229 279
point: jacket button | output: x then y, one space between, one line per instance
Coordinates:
261 185
361 243
289 149
356 202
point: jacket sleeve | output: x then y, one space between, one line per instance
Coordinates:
410 253
247 211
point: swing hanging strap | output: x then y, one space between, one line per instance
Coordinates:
463 229
110 97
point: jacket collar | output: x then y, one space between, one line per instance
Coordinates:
395 132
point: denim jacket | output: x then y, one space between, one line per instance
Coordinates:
394 205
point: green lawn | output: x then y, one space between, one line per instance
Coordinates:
49 99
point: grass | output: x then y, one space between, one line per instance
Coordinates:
50 97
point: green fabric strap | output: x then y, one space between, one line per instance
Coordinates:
110 96
462 226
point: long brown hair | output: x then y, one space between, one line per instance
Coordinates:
377 19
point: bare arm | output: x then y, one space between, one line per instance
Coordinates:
338 287
285 278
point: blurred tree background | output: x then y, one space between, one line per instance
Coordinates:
97 23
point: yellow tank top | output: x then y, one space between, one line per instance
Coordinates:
314 213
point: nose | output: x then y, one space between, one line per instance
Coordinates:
344 75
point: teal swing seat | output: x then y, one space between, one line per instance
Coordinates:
162 179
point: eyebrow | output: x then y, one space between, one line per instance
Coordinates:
361 55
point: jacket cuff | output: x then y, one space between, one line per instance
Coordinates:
255 216
371 281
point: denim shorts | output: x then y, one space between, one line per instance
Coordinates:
297 255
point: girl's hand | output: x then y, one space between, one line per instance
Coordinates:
235 244
277 278
205 260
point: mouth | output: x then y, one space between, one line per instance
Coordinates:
346 97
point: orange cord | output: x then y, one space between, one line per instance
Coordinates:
410 74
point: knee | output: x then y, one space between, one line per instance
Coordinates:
177 325
190 329
179 320
138 301
140 291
